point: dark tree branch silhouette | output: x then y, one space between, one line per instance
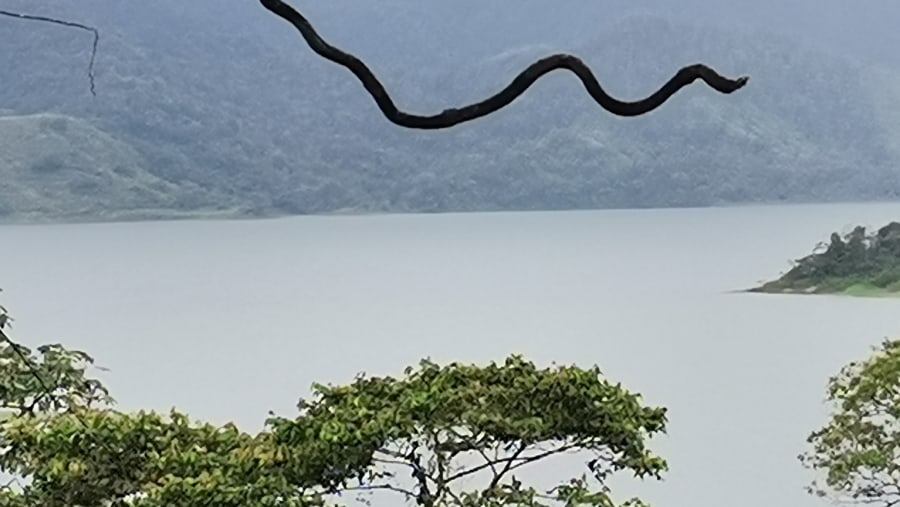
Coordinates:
56 21
451 117
455 116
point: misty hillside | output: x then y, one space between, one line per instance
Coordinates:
234 114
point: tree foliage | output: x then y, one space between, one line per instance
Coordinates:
424 436
23 390
439 426
66 445
143 459
854 258
858 448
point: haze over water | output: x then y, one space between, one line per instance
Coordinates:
229 319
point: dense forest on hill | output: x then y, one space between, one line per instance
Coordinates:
232 114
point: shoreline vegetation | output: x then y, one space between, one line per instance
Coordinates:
858 264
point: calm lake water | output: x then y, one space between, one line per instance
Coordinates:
230 319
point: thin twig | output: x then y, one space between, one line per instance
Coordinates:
56 21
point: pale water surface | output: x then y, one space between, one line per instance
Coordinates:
228 320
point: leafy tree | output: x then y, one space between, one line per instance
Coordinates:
445 425
146 459
23 388
440 425
60 434
454 116
858 447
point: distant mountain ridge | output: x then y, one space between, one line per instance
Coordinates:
231 117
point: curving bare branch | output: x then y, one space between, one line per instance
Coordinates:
56 21
451 117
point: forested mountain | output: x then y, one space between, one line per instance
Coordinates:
219 107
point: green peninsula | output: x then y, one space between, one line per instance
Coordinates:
857 264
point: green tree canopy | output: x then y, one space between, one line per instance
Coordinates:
66 444
858 448
419 436
441 425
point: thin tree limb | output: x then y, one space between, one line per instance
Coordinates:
473 444
506 468
513 462
55 21
451 117
374 487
